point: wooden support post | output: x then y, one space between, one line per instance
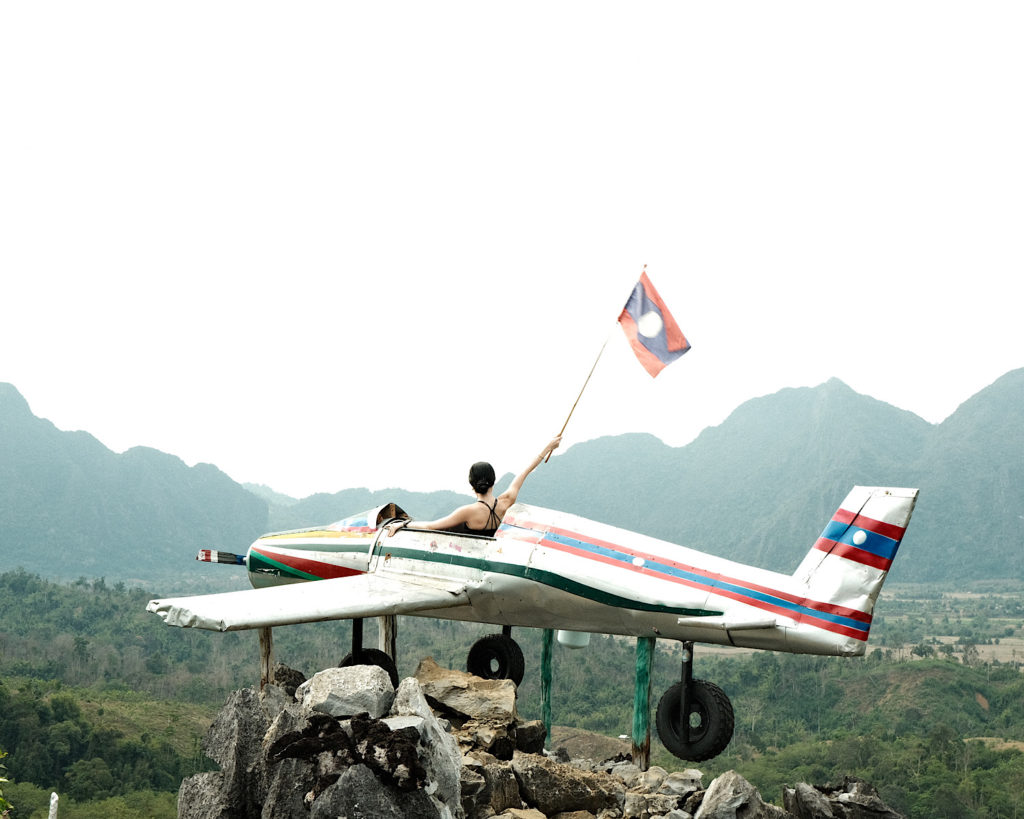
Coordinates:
387 635
642 703
266 657
545 683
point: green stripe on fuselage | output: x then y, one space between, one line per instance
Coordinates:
261 563
555 581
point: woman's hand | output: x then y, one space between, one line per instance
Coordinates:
551 447
394 527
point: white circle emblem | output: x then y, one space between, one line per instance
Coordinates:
859 537
650 324
638 562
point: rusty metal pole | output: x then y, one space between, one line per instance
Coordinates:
641 749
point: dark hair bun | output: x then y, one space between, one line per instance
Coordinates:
481 477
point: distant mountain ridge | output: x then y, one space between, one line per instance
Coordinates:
758 488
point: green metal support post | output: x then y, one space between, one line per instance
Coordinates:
545 683
641 750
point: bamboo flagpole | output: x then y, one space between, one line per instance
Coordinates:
578 397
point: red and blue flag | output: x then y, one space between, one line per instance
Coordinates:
652 332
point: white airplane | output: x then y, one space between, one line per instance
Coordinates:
548 569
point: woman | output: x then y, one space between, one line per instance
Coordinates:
484 516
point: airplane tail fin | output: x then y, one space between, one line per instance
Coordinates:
845 569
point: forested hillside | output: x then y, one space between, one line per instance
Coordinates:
99 698
758 488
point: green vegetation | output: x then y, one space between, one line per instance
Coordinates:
4 804
104 704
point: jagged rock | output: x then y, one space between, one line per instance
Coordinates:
692 803
342 692
580 744
530 736
286 790
235 742
555 788
503 786
204 796
640 805
288 678
475 794
682 783
465 695
806 802
629 773
857 799
730 796
652 779
313 735
358 795
442 758
274 700
282 759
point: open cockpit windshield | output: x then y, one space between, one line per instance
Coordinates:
369 521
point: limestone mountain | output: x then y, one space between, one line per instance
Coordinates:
71 507
758 488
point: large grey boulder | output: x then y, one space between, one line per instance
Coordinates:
730 796
552 787
465 695
357 795
853 798
806 802
345 692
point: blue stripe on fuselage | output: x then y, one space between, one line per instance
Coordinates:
704 580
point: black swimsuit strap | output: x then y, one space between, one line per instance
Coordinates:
493 521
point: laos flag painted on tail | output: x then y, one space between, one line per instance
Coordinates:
652 332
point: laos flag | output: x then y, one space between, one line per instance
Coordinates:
652 332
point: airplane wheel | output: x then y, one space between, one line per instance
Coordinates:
496 657
373 656
711 721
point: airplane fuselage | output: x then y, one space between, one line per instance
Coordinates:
542 570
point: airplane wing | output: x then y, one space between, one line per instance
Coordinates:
343 598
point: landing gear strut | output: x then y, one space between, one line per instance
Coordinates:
497 657
368 656
695 719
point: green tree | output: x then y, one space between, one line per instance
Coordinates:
89 779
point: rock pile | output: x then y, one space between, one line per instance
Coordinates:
446 745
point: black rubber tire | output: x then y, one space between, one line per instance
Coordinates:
373 656
711 721
496 657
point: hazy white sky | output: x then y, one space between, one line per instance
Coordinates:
326 245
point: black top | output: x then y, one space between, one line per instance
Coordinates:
493 522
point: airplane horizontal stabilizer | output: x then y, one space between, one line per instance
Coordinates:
339 599
726 623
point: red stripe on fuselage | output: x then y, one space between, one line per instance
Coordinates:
321 569
825 608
